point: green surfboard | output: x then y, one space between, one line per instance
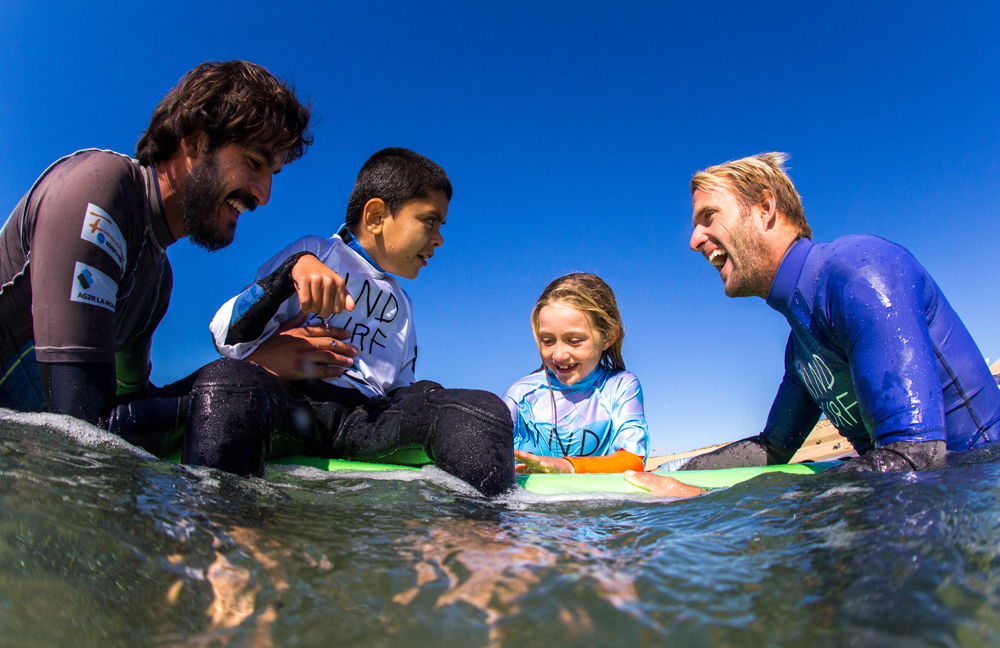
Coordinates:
580 484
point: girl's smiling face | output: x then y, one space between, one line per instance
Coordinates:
569 345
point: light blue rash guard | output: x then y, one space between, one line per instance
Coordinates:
876 347
595 417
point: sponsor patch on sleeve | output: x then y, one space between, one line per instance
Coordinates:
91 286
99 229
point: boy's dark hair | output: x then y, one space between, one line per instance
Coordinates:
395 175
231 102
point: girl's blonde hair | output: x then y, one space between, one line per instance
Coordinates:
589 294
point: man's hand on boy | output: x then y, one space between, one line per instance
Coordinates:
529 463
297 352
320 289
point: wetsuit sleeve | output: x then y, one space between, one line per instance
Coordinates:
264 298
85 216
618 462
898 456
752 451
252 316
132 363
132 367
628 419
74 280
80 389
877 312
793 413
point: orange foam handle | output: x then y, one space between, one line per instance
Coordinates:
618 462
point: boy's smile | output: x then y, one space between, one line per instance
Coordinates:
405 241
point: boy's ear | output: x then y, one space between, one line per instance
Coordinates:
373 215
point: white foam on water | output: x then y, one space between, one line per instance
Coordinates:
82 432
91 436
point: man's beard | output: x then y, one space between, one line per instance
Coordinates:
200 206
746 245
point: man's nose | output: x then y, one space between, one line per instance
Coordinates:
261 189
698 237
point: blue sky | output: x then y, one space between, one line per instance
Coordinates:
570 131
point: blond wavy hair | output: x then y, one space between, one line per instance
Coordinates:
750 179
589 294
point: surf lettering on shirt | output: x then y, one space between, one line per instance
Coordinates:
821 384
561 445
360 331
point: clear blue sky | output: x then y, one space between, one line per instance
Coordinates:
570 131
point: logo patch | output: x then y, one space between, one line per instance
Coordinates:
91 286
99 229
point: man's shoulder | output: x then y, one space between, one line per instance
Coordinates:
83 164
859 248
858 255
102 177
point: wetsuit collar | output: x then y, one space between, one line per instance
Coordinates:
583 385
157 218
346 236
786 280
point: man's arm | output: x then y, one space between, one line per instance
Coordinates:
897 456
81 389
81 219
880 317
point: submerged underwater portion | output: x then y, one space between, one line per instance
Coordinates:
102 546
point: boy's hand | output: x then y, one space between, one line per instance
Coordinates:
529 463
320 289
295 352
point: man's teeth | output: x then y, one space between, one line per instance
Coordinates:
717 258
237 205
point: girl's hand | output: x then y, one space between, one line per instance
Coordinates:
531 464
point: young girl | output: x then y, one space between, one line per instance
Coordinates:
581 411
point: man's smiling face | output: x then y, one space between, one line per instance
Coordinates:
224 183
731 238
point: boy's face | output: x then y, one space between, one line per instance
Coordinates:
410 236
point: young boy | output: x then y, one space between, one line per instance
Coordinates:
376 408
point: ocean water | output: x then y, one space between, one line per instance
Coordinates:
102 546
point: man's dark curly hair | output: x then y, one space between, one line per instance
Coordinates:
231 102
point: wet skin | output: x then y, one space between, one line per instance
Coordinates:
731 238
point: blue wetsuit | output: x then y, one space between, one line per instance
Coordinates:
876 347
597 416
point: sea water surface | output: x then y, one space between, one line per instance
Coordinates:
102 546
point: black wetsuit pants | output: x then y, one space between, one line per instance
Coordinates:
234 416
